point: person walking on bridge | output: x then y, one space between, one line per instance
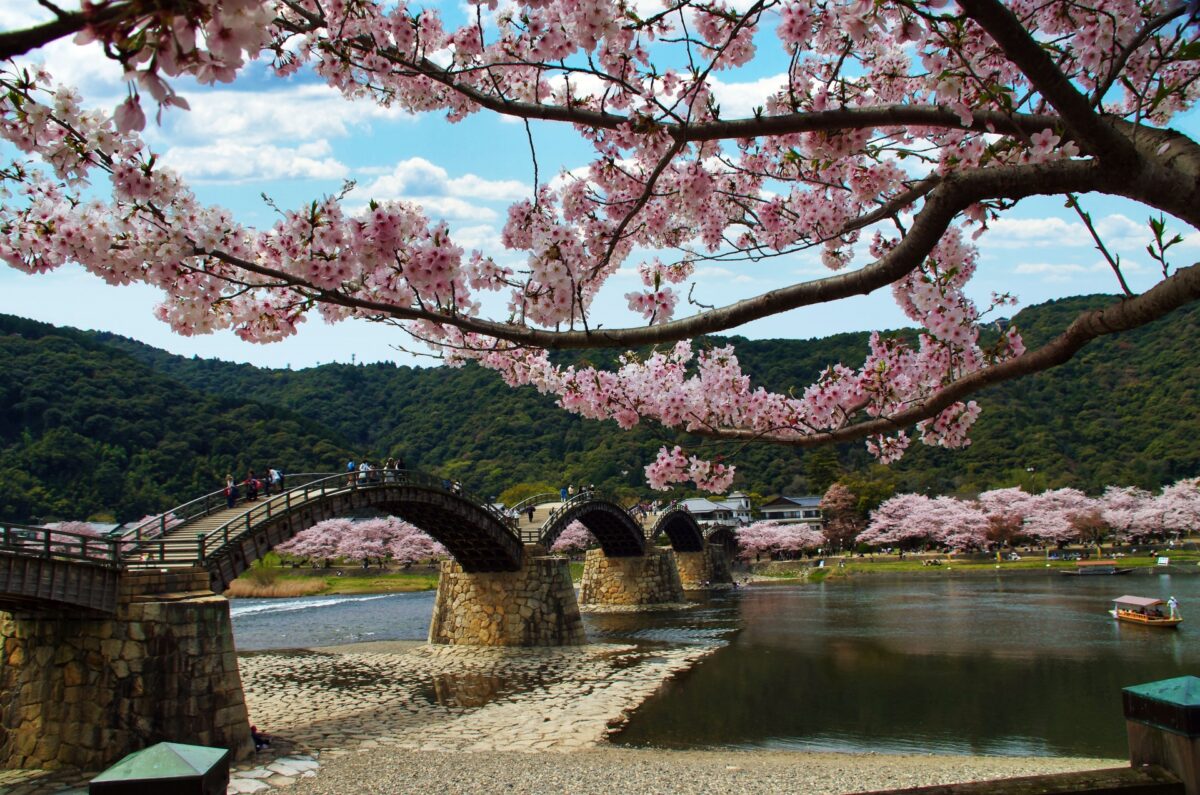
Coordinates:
276 479
231 494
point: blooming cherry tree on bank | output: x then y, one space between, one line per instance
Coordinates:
902 130
776 538
916 520
362 540
574 538
1052 518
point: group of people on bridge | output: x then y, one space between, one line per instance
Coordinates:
253 484
366 472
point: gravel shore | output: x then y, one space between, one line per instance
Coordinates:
410 718
605 771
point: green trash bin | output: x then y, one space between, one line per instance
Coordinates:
166 768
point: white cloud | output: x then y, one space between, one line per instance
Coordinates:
490 189
738 100
483 237
295 113
1030 232
1117 225
235 162
417 177
451 208
1051 268
713 274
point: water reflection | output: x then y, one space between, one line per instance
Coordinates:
1021 665
467 690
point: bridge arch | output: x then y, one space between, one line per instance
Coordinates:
478 537
619 534
682 529
725 537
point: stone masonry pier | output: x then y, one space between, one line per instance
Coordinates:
84 691
705 569
533 606
633 581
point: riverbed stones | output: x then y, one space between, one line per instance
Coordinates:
534 606
455 698
634 581
85 691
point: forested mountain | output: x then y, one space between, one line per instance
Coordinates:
95 424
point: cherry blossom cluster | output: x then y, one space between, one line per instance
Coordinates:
574 538
886 109
1054 517
775 538
207 39
362 540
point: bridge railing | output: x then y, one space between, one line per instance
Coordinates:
46 542
537 499
198 547
571 503
157 526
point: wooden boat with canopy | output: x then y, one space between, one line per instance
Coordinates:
1146 611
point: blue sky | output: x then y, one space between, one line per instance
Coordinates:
296 140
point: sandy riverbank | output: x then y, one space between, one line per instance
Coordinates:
604 771
401 717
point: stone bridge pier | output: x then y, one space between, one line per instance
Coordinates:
532 606
707 568
632 580
85 690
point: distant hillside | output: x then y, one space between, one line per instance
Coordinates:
93 423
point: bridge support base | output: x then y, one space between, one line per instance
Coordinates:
534 606
81 691
705 569
636 581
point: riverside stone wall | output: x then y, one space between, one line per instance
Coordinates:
630 581
534 606
703 569
84 691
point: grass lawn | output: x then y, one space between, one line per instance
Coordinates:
268 582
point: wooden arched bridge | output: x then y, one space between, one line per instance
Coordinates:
42 567
124 634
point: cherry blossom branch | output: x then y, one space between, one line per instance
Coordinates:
1180 289
1024 51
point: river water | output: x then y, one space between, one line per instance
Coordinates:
1024 664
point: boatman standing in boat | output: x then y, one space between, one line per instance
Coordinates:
1173 606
